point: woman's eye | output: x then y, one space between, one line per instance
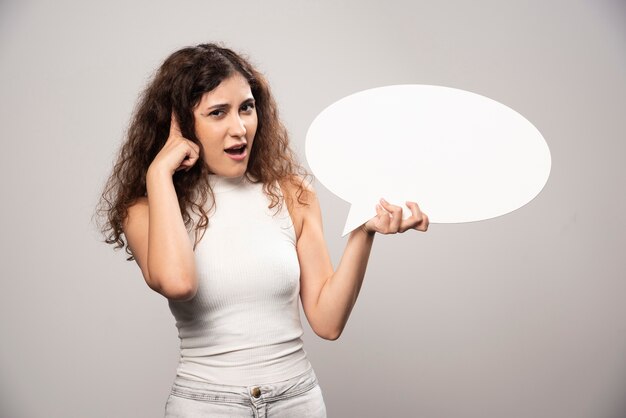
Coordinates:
247 107
216 112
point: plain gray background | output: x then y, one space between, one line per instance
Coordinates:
522 316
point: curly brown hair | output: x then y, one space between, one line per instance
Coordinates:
177 87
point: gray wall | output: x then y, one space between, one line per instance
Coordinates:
518 316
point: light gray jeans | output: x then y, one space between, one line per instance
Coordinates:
300 396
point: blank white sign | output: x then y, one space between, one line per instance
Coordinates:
461 156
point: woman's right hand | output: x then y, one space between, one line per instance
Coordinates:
178 153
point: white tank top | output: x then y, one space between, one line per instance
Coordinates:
243 326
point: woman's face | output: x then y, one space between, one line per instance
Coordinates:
225 124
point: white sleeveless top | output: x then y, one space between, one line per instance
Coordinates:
243 326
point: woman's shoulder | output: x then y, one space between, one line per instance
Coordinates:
297 189
299 195
138 206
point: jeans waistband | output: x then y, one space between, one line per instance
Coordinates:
230 393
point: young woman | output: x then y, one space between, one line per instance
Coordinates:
222 222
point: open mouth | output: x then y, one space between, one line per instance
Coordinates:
236 150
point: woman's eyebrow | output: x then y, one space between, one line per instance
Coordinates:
219 105
227 105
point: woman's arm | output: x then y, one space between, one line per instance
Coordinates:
155 229
328 296
158 239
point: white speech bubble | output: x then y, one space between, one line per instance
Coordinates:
461 156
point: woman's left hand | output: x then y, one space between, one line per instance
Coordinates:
388 219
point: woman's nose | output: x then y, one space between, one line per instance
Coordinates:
237 127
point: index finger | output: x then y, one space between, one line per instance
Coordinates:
174 127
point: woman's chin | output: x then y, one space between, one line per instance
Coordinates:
230 172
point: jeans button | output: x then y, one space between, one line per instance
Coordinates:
256 392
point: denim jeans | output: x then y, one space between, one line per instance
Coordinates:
300 396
